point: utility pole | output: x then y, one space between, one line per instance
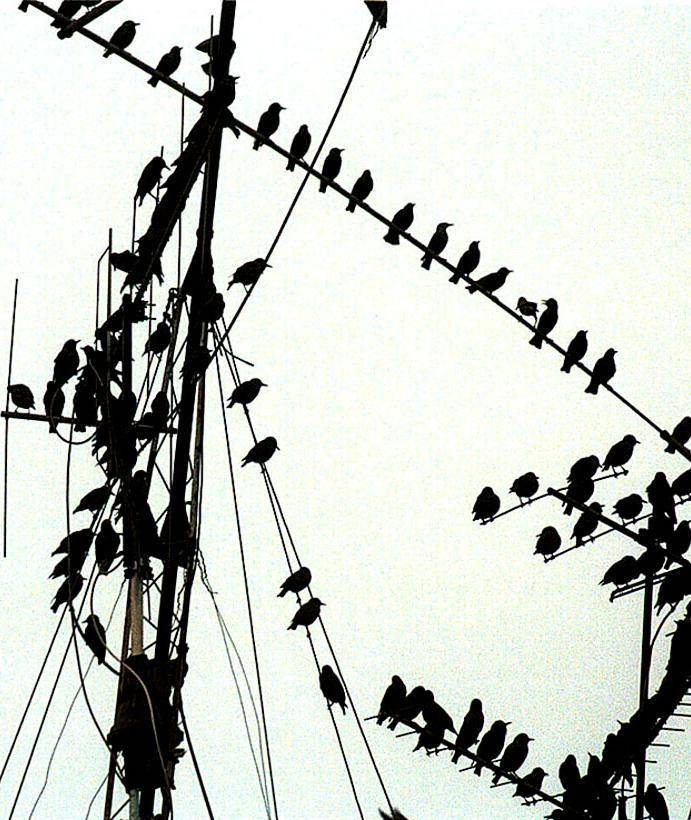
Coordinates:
646 650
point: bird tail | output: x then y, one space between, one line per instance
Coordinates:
322 187
592 388
471 288
392 237
496 778
455 279
566 367
153 82
536 341
106 53
293 626
291 164
478 769
282 593
568 509
351 205
244 462
426 262
669 448
256 145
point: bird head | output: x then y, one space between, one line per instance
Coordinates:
410 205
551 303
631 440
610 352
476 704
338 150
276 107
327 668
596 507
444 225
396 679
429 696
176 49
505 271
262 384
318 602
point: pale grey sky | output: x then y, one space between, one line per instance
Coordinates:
554 133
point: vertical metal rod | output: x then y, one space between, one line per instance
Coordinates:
7 422
98 288
109 300
182 148
646 651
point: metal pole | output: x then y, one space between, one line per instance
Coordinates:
646 651
7 422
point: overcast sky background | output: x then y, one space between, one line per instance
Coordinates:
555 134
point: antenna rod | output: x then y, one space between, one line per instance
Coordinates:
7 421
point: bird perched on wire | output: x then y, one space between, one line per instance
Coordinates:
332 688
681 485
569 774
361 190
248 273
393 700
526 308
331 168
261 452
307 614
655 803
583 468
587 523
531 784
622 572
53 403
126 261
470 729
246 392
168 64
76 542
84 405
296 582
95 637
491 282
429 738
299 146
468 262
22 397
402 220
620 454
651 561
66 363
68 8
160 408
122 37
514 756
67 591
159 339
679 543
546 323
578 347
603 371
150 177
486 505
629 507
675 586
436 244
397 815
435 716
94 499
661 497
681 433
548 542
107 543
491 744
580 491
268 124
525 486
72 563
414 701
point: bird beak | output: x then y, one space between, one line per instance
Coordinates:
267 265
282 108
637 441
263 384
531 738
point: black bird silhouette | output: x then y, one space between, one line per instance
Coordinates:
397 815
412 705
578 347
168 64
622 572
527 308
159 339
67 591
682 434
675 586
486 505
22 396
491 282
436 717
76 542
491 744
546 323
661 497
213 308
95 637
296 582
583 468
361 190
429 738
531 784
393 700
331 168
514 756
587 523
629 507
548 542
470 729
150 177
569 774
122 36
94 499
525 486
307 614
603 371
468 262
268 124
436 244
160 408
246 392
299 146
66 363
126 261
249 272
68 8
261 452
84 405
681 485
679 543
107 543
332 688
580 491
620 453
72 563
53 403
655 803
402 220
651 561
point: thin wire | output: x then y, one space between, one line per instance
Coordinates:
95 797
7 422
202 786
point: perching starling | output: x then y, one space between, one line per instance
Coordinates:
160 408
393 700
67 591
491 282
514 755
261 452
84 406
486 505
469 260
651 561
436 244
53 403
76 542
68 8
332 688
150 177
268 124
525 486
307 614
680 541
66 363
682 433
299 146
675 586
655 803
22 396
248 273
548 542
246 392
546 323
95 637
620 453
107 543
94 499
681 485
622 572
71 564
578 347
629 507
412 705
569 774
122 37
331 167
526 308
585 467
168 64
491 744
603 370
361 190
470 729
579 491
531 784
159 339
402 220
661 497
429 738
126 261
437 717
587 523
213 308
296 582
397 815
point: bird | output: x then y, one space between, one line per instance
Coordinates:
159 339
122 37
530 784
249 272
622 572
583 468
681 485
579 491
546 323
68 8
569 774
213 308
675 586
296 582
393 700
578 347
429 738
361 190
331 168
629 507
21 396
246 392
620 454
307 614
261 452
160 407
514 756
67 591
436 244
332 688
527 308
150 177
491 744
94 499
491 282
70 564
603 371
470 259
397 815
548 542
107 543
402 220
679 543
268 124
53 403
470 729
126 261
655 803
587 523
486 505
95 637
84 405
411 707
681 433
66 363
76 542
168 64
299 146
525 486
661 496
651 561
435 716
